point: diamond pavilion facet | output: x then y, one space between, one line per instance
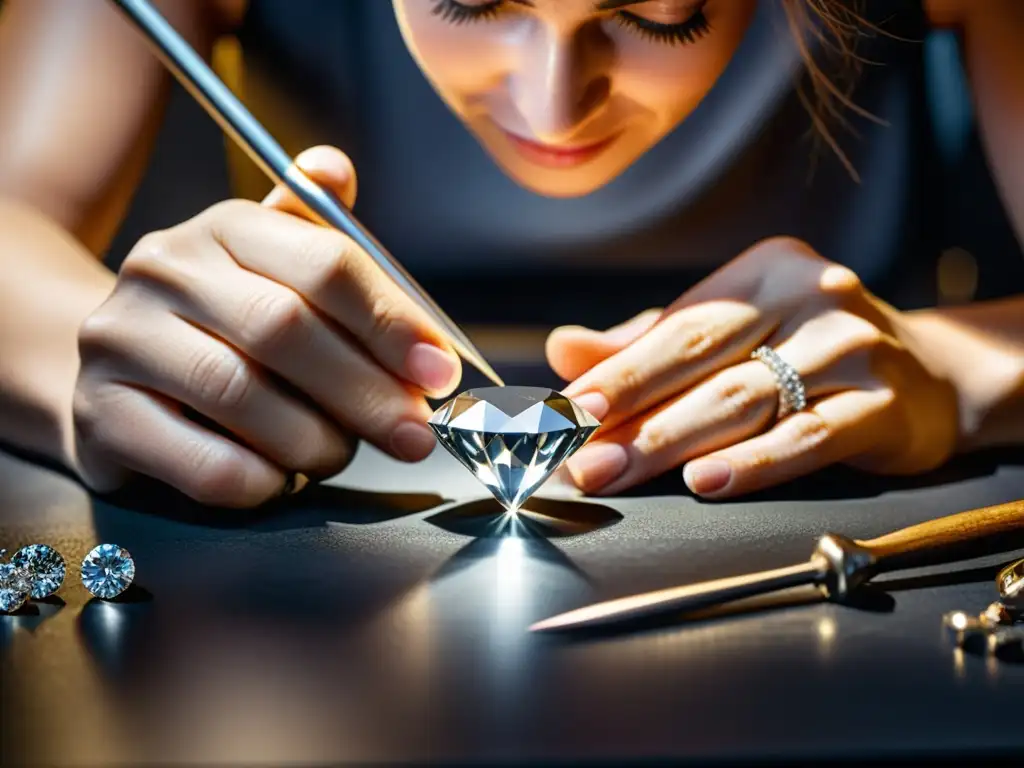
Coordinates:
44 565
512 438
15 587
107 571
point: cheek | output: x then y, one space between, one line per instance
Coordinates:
458 59
670 80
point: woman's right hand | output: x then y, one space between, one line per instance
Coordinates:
279 331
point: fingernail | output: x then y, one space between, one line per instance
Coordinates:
707 475
593 403
412 442
598 464
430 367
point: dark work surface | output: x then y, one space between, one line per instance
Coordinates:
381 619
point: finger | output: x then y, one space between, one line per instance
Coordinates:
715 324
152 438
572 350
165 354
829 352
272 325
331 273
330 168
833 430
679 351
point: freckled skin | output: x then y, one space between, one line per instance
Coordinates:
565 75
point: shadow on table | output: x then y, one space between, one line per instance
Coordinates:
944 579
28 618
316 506
840 482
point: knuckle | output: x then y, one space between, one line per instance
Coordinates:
839 282
808 430
219 379
213 474
224 210
95 405
374 410
106 348
96 331
864 336
654 437
735 398
775 249
151 255
331 455
384 318
331 258
273 319
630 381
87 413
696 343
787 246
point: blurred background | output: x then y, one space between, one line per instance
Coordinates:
971 253
193 166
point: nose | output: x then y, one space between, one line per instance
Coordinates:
562 79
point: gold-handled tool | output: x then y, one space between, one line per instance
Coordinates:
236 121
837 566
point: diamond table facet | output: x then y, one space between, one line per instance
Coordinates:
44 565
15 587
107 571
512 438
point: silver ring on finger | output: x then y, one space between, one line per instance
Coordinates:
792 393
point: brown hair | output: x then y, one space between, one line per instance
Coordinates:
827 33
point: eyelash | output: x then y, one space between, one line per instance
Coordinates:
688 31
457 13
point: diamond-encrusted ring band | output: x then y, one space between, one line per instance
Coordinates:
792 395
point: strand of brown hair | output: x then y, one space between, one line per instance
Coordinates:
831 30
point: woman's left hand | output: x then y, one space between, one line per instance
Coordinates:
679 387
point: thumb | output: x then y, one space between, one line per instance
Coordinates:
573 350
328 167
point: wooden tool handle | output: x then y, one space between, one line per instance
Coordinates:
978 531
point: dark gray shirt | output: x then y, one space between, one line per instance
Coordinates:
741 168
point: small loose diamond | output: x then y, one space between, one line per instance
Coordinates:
107 571
512 438
15 587
45 567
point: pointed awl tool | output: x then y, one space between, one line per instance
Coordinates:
838 566
237 122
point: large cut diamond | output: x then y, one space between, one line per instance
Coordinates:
512 438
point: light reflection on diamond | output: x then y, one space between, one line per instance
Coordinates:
107 571
512 438
44 565
15 586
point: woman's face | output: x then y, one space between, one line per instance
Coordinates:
567 94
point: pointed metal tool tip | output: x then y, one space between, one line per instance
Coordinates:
548 625
581 618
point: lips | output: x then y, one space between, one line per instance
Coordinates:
554 156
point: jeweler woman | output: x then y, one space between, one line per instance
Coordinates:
714 175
